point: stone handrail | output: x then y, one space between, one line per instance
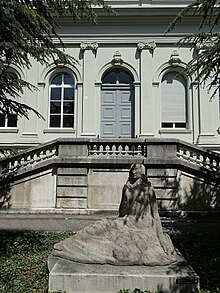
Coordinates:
32 156
89 150
197 156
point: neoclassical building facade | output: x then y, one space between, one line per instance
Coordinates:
128 81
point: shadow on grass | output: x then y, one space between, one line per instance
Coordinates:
202 251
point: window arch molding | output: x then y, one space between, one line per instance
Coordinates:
52 69
166 67
117 76
108 67
16 70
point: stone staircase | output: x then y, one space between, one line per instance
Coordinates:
88 174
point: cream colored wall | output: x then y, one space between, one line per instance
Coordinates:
105 188
34 192
146 65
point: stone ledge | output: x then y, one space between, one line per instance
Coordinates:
94 278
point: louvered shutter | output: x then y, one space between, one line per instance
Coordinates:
173 98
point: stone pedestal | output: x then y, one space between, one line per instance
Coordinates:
73 277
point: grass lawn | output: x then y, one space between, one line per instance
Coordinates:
23 261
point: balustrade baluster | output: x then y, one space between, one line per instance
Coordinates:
114 150
101 149
107 149
95 149
126 150
139 150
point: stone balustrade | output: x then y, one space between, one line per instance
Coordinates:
11 164
106 148
204 159
150 150
90 173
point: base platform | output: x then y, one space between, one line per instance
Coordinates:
73 277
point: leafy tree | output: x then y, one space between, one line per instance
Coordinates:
27 31
206 64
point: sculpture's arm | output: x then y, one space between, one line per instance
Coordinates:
125 201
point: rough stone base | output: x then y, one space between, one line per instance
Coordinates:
73 277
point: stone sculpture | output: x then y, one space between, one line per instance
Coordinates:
133 238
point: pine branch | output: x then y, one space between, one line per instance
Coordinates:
28 29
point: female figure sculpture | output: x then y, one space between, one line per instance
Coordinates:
134 238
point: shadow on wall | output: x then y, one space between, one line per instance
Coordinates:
5 189
198 194
180 191
193 193
5 195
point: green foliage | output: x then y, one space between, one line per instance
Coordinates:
205 65
28 29
202 251
146 291
206 291
135 291
23 260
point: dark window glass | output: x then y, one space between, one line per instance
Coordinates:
55 107
180 125
12 120
123 77
68 121
115 77
68 94
55 94
2 120
68 79
110 78
167 124
68 107
57 79
55 120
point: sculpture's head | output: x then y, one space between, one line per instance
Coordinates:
137 171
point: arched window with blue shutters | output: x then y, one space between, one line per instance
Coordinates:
62 101
174 101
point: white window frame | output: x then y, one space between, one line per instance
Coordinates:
62 86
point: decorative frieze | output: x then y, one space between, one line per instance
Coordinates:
146 45
89 46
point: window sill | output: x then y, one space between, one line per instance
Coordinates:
8 130
59 130
175 130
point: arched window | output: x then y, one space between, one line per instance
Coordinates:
117 77
9 120
61 110
174 101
